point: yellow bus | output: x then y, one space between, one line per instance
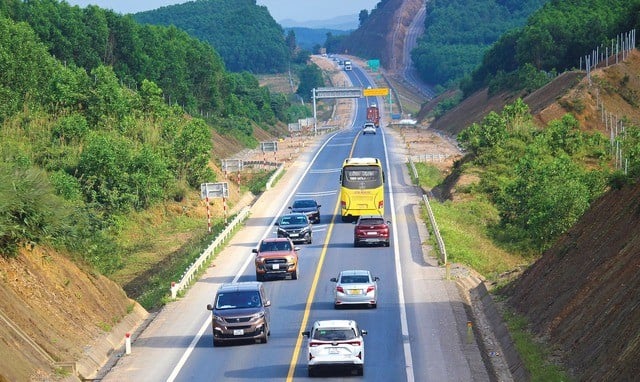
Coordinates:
361 188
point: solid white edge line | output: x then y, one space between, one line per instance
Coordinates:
207 322
396 254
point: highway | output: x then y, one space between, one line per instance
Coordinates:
417 333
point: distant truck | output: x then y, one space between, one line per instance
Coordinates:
373 114
347 65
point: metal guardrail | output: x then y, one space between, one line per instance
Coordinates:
436 230
274 176
432 218
191 272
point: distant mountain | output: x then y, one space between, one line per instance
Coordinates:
307 38
344 23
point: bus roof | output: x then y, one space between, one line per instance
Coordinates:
359 161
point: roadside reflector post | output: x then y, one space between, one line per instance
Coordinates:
174 290
127 343
469 332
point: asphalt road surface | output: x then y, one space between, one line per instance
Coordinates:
418 332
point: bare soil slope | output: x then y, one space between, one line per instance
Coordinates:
582 295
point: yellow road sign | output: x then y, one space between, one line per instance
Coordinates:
375 92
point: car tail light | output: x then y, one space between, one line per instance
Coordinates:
380 204
353 343
314 344
340 289
370 289
343 204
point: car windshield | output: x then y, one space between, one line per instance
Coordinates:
269 246
239 299
304 204
289 220
339 334
354 279
373 221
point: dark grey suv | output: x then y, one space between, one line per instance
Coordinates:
240 311
295 226
309 207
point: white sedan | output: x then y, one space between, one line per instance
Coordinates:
355 287
369 128
335 344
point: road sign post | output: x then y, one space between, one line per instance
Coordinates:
213 190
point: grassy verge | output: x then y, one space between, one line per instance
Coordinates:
534 354
463 225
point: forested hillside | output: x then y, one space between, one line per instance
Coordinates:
245 34
554 39
89 133
458 33
188 72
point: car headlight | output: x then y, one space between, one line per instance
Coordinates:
219 319
257 316
282 231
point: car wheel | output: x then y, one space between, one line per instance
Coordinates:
259 277
374 305
312 373
337 306
294 275
355 243
264 340
360 370
216 343
310 240
386 244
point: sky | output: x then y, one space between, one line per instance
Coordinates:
298 10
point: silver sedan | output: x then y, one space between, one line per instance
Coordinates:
355 287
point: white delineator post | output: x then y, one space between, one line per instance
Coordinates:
127 343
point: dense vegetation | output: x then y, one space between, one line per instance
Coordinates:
244 34
189 72
553 40
312 38
540 180
90 132
459 32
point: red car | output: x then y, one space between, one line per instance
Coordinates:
371 229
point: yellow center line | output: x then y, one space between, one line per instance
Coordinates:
314 285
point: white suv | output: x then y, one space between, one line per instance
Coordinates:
335 343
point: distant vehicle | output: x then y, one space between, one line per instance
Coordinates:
309 207
347 65
240 311
369 128
373 114
335 344
276 257
295 226
361 188
371 229
355 287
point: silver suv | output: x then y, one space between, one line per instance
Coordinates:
240 311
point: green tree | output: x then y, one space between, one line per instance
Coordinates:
310 78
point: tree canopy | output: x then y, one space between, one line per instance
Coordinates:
243 33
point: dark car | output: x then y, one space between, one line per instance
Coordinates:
309 207
295 226
371 229
240 311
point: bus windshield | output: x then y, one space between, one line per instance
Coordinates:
361 177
